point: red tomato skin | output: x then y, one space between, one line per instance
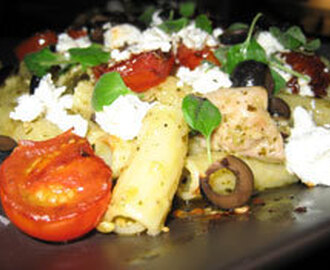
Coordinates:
77 33
141 71
58 162
191 58
35 43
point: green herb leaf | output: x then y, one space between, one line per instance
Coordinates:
248 50
294 38
107 89
172 26
187 9
90 56
242 52
313 45
203 22
279 82
202 116
237 26
41 61
146 16
296 33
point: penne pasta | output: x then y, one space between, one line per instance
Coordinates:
320 108
266 175
143 194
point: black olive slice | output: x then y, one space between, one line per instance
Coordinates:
233 37
7 145
253 73
278 107
243 187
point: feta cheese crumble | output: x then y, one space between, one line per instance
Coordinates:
65 42
49 100
123 118
269 43
121 35
195 38
137 42
308 149
203 79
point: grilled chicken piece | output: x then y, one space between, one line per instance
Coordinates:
247 128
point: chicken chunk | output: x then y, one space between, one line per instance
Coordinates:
247 128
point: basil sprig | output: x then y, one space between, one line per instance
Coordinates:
187 9
293 39
89 57
107 89
40 62
248 50
202 116
203 22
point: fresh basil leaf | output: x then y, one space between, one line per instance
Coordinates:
172 26
242 52
248 50
313 45
279 82
237 26
107 89
294 38
146 16
41 61
203 22
90 56
296 33
187 9
287 40
201 115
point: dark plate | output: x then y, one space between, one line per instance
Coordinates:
292 222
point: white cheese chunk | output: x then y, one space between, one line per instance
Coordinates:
123 118
65 42
156 19
269 43
121 35
154 38
195 38
308 149
50 101
203 79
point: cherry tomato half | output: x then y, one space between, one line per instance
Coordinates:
55 190
35 43
191 58
77 33
141 71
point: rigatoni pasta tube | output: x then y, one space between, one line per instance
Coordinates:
266 174
143 194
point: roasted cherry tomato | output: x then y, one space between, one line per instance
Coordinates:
77 33
141 71
191 58
55 190
35 43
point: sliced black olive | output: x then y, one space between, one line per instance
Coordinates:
34 83
233 37
278 107
253 73
243 187
7 145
